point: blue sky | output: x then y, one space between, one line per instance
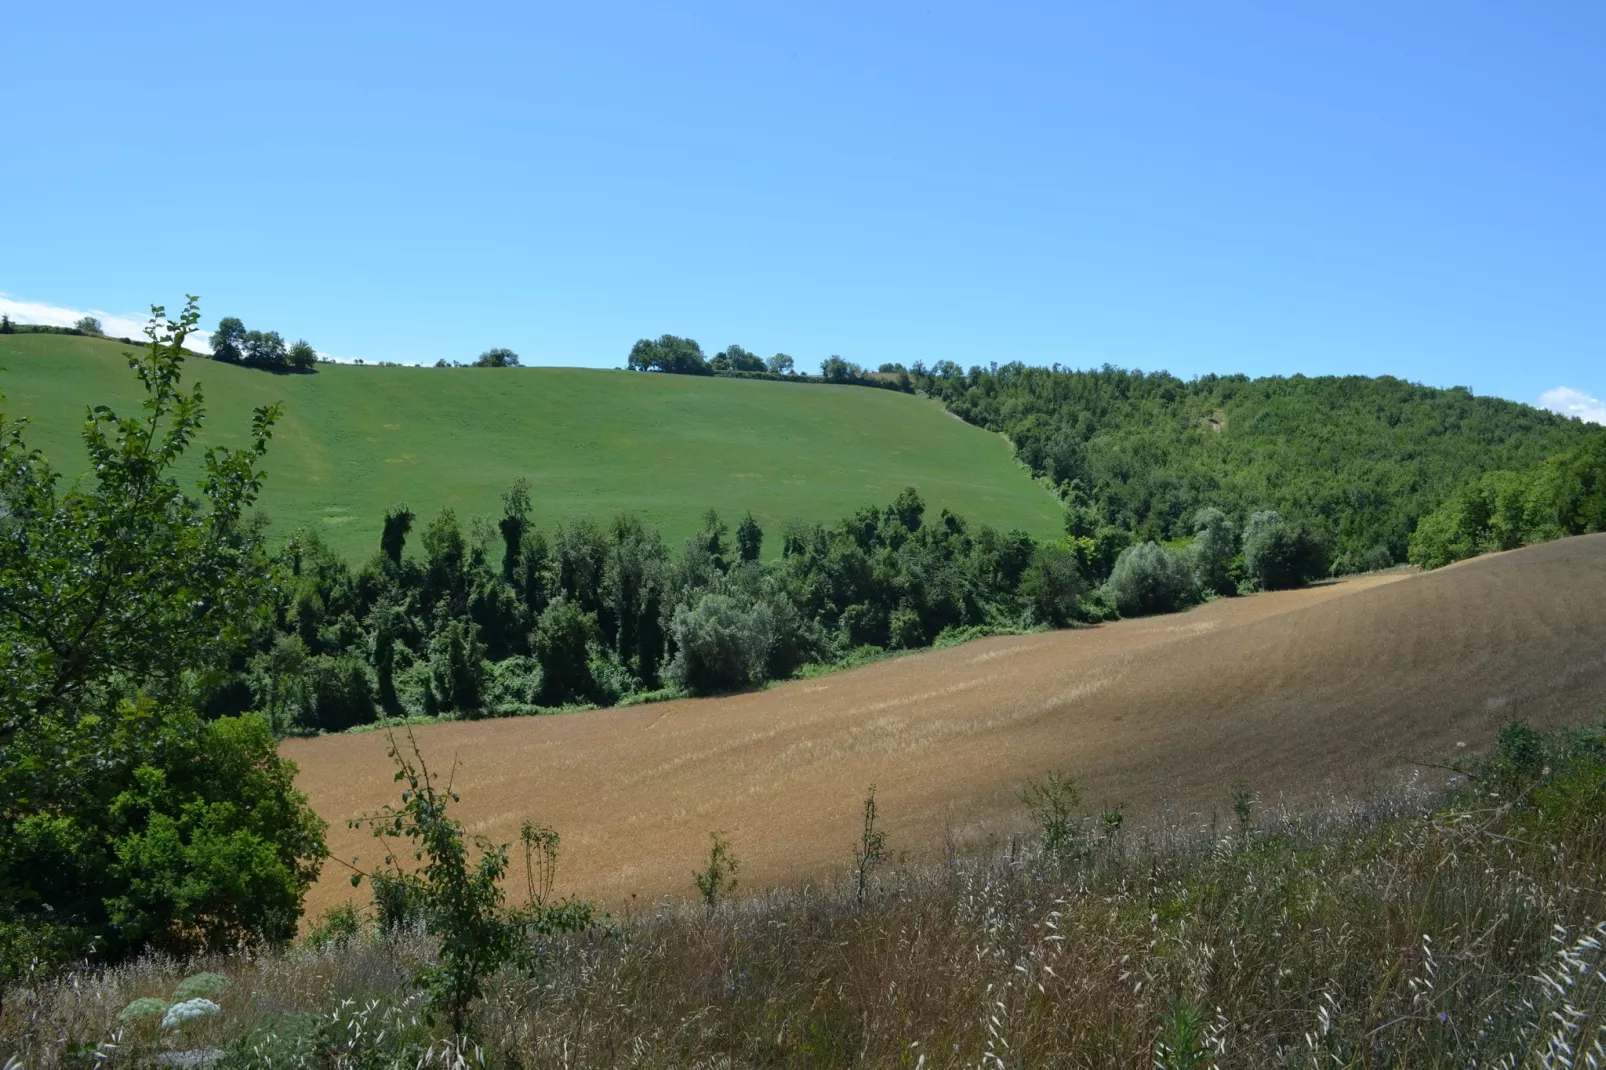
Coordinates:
1411 189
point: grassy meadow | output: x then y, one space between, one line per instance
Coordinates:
356 440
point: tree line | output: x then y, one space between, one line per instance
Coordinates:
674 355
233 344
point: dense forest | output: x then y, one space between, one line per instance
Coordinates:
1358 459
1562 495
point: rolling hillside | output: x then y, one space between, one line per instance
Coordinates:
1304 692
355 441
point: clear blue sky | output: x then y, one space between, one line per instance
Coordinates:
1414 189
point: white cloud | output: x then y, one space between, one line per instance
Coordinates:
117 325
1570 402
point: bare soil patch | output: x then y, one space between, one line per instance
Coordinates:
1305 693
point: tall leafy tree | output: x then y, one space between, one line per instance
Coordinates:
497 358
265 348
126 820
669 353
228 341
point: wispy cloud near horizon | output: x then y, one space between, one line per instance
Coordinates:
115 324
1570 402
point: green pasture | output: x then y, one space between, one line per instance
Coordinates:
356 440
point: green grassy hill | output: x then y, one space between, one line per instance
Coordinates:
355 441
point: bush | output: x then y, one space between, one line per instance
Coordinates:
1279 555
1150 578
337 927
717 645
724 641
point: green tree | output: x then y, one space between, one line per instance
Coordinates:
89 325
836 370
1052 585
737 359
781 364
669 353
562 645
1211 553
265 348
458 670
515 520
749 538
1278 554
497 358
302 357
228 341
1150 579
126 821
398 522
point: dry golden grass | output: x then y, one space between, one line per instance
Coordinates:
1305 693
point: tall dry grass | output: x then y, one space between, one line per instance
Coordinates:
1396 932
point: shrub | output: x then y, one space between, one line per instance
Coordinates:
1052 803
720 645
129 821
717 879
1278 554
337 927
1150 578
515 681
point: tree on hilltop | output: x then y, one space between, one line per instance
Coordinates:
497 358
302 357
669 353
228 341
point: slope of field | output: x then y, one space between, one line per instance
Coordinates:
355 441
1303 692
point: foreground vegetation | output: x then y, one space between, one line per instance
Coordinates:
1461 929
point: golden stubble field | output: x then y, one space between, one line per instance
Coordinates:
1306 693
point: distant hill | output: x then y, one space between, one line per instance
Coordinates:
356 440
1360 459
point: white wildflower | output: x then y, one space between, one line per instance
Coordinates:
179 1013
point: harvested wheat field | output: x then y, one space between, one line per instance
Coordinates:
1305 693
